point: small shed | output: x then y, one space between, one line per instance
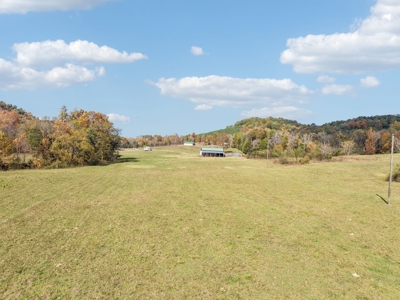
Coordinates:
188 144
212 152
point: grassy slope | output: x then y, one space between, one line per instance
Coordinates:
171 225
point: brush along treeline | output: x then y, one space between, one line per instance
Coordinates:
73 139
291 141
287 139
302 146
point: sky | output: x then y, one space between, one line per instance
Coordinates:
183 66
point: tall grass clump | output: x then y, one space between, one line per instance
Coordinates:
395 174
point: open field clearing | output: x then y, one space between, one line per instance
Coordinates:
169 224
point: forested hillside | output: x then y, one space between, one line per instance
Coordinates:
286 138
76 138
291 141
375 122
89 138
10 107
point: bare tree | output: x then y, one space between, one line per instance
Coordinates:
292 141
276 138
326 149
255 144
348 147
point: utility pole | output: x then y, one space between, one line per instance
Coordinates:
391 170
267 147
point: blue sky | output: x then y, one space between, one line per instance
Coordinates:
179 66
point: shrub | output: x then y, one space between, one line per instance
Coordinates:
283 159
395 174
58 165
305 160
337 152
275 153
319 155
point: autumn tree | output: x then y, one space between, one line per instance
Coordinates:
6 147
370 142
9 122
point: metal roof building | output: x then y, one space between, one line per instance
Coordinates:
212 152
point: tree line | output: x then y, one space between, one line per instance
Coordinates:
75 138
290 141
81 137
287 139
151 141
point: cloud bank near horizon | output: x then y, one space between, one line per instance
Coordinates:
116 118
234 92
287 112
271 96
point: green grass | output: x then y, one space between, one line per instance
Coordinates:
168 224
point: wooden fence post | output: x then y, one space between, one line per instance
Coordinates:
391 171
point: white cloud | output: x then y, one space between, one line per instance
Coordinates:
288 112
203 107
337 89
197 51
234 92
118 118
24 6
52 64
325 79
369 82
15 77
50 53
373 46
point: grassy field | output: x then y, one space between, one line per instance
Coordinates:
169 224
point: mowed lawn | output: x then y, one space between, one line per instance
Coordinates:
169 224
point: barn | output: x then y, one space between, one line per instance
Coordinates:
212 152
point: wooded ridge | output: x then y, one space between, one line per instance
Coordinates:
88 138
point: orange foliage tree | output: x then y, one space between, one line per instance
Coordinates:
370 147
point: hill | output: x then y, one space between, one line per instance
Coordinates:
283 138
376 122
10 107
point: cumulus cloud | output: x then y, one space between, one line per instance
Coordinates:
325 79
234 92
119 119
373 46
337 89
15 77
203 107
24 6
50 53
370 82
288 112
56 64
197 51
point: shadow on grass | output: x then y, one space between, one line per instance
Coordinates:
383 199
118 161
126 159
